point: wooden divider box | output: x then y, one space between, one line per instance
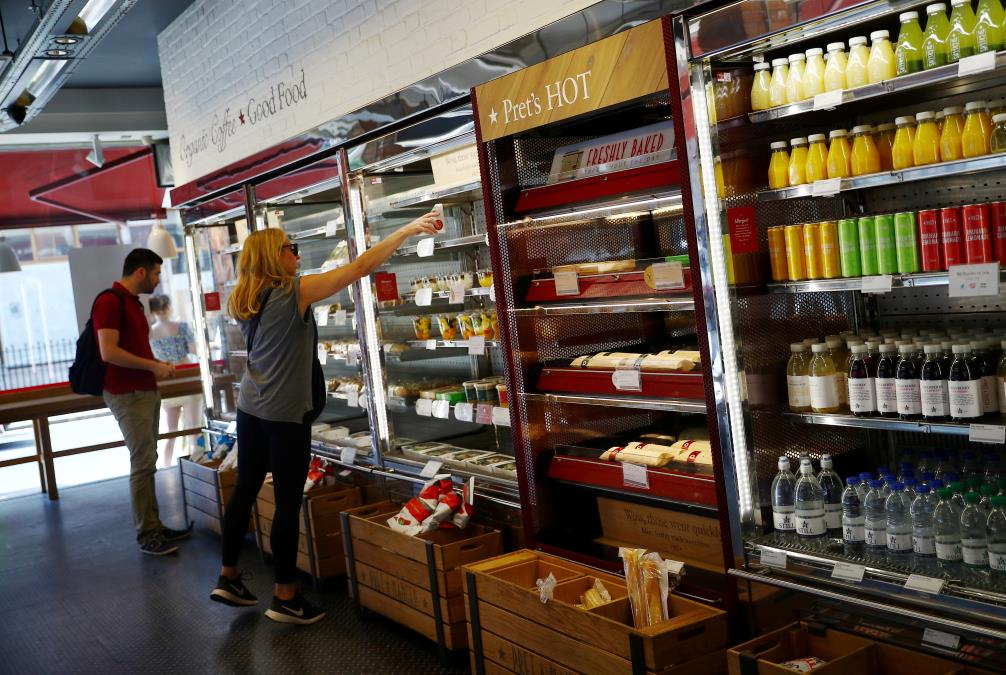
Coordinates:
512 631
415 581
205 492
319 550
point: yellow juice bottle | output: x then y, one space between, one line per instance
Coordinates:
882 64
902 150
817 159
834 72
976 135
839 155
883 136
926 146
813 73
760 87
823 381
794 80
865 155
950 134
798 161
778 166
777 87
857 68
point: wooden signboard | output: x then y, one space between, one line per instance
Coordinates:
614 70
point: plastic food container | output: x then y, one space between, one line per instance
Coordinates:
448 327
466 326
454 396
421 326
470 394
504 397
485 278
485 392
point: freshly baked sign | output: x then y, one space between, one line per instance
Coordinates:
614 70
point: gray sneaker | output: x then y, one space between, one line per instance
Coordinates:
158 547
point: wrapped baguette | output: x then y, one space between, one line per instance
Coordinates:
649 454
605 267
666 361
693 452
646 579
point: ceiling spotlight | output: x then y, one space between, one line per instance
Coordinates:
66 40
57 53
97 155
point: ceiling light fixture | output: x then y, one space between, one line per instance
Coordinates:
97 154
93 12
66 40
57 53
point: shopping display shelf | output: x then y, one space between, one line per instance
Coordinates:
235 248
608 286
935 77
634 402
989 423
669 304
654 385
317 232
455 194
407 305
443 244
494 488
663 485
831 187
920 280
448 344
500 416
595 188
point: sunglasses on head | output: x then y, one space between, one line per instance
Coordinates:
294 248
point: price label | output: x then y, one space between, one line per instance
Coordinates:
987 433
848 572
340 317
424 407
456 294
828 99
353 398
424 247
464 412
918 582
232 428
627 380
441 410
826 187
635 475
567 283
773 558
321 315
431 469
348 456
364 403
431 345
484 413
477 346
938 637
979 63
424 297
322 354
352 357
967 281
501 416
668 275
345 473
331 228
877 284
492 293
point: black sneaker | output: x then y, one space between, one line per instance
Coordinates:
295 610
233 592
169 535
158 547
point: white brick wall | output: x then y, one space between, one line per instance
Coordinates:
220 53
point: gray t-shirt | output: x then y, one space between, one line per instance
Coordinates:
277 383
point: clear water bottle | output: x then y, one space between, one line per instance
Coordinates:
974 542
993 467
987 492
970 466
910 486
810 521
927 478
923 532
949 477
995 530
959 491
783 504
888 478
876 520
942 465
905 470
864 485
831 487
947 528
897 508
853 518
925 463
934 491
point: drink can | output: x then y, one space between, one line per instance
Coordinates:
977 234
998 213
812 250
868 245
887 249
906 241
831 266
848 247
952 236
795 265
929 240
777 253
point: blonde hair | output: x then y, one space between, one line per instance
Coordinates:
258 266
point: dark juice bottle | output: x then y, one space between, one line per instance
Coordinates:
907 384
964 385
862 391
887 403
933 384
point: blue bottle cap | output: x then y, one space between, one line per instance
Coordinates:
935 484
928 476
876 483
910 482
922 490
866 475
897 487
852 481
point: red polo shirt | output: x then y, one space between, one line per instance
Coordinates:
127 317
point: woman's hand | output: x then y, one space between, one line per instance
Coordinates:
428 224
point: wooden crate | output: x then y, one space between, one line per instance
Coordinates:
205 492
510 628
415 581
319 548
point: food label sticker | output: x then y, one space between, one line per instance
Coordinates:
567 283
441 410
431 345
232 428
987 433
348 455
877 284
424 297
501 416
431 469
353 398
668 276
848 571
463 412
635 475
979 63
456 294
477 345
827 187
743 227
773 558
967 281
627 380
340 317
828 99
424 407
322 354
918 582
938 637
321 315
424 248
331 228
484 413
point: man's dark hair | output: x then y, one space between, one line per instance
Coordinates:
140 257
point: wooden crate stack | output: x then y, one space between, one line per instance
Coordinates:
205 492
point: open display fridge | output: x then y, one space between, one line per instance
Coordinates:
853 264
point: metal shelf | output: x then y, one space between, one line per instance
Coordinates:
925 279
677 304
409 301
890 424
635 402
321 232
409 406
928 172
469 192
458 242
499 490
235 248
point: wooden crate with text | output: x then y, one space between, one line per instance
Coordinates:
205 492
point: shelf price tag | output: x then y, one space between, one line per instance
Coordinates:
987 433
431 345
938 637
441 410
322 354
918 582
501 416
567 282
345 473
340 317
352 357
668 275
456 294
364 403
635 475
968 281
877 284
979 63
848 572
464 412
353 398
331 228
424 248
828 99
627 380
321 315
826 187
484 413
477 345
492 293
773 558
348 456
431 469
232 428
424 297
424 407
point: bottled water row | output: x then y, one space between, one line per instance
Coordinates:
928 524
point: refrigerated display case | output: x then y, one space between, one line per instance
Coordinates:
757 305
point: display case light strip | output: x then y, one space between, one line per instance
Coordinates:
654 205
198 317
721 288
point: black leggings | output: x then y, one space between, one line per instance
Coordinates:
285 449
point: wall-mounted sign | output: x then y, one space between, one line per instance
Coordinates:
614 70
625 150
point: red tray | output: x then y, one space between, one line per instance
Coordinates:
690 488
655 385
639 179
608 286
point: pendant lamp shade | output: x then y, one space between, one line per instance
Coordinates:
161 242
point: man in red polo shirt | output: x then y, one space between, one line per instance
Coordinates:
131 390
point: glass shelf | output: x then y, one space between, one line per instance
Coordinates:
890 424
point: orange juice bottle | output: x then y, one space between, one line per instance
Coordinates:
883 136
817 159
760 87
976 135
950 134
926 146
778 166
798 161
902 151
839 155
865 155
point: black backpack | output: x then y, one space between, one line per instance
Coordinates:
87 374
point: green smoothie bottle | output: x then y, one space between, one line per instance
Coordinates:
961 42
989 26
934 42
908 51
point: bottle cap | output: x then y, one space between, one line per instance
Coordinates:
897 486
780 62
1000 118
950 477
932 349
946 344
906 348
975 481
972 106
779 145
852 481
826 462
888 348
819 348
784 463
858 40
883 471
762 66
798 347
953 110
909 480
816 138
796 57
837 133
925 115
858 349
999 501
815 51
798 141
922 490
972 498
880 35
957 486
834 342
961 349
904 120
958 3
946 493
908 16
865 476
876 484
936 7
987 490
887 126
862 129
836 47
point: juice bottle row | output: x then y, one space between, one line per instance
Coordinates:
931 240
804 75
932 376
